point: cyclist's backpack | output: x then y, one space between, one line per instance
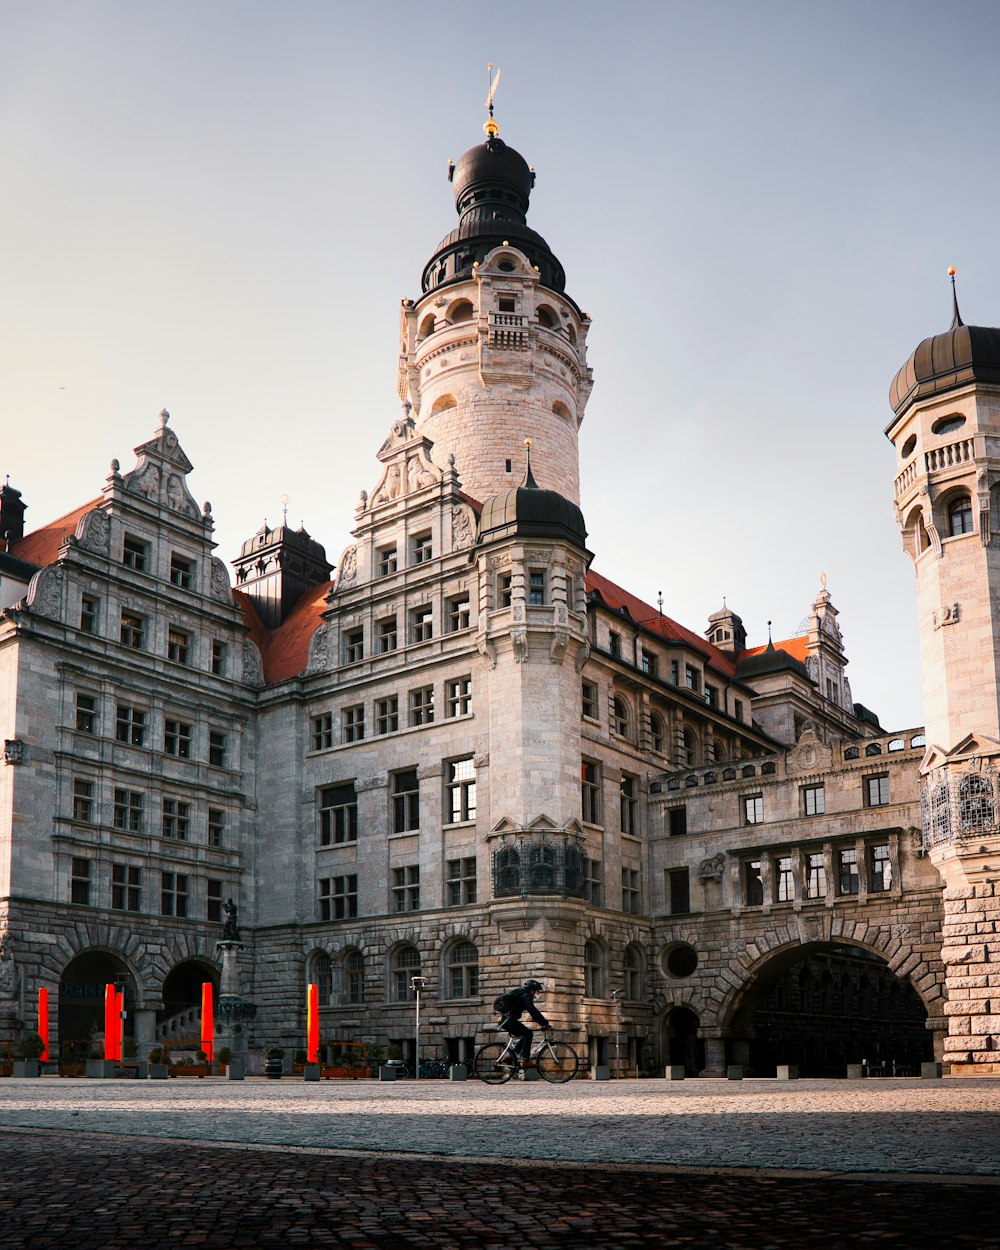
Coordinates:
502 1003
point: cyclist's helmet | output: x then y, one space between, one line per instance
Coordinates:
536 987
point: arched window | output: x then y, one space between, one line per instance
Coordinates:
426 327
688 756
541 868
546 317
975 800
960 516
353 977
620 716
405 964
719 750
462 970
632 966
462 311
560 409
321 975
442 404
506 872
593 970
657 733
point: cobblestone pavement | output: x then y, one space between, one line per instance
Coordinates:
120 1165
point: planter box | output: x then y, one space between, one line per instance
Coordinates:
27 1067
855 1071
458 1072
734 1072
310 1072
787 1072
675 1072
189 1069
235 1070
930 1071
159 1071
100 1068
600 1072
387 1074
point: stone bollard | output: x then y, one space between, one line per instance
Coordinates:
387 1074
855 1071
734 1072
787 1072
930 1071
675 1072
100 1068
600 1072
235 1070
311 1072
458 1072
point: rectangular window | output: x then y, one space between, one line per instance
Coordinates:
388 560
675 671
173 894
589 700
216 826
176 819
338 897
753 883
354 646
322 732
786 879
848 879
648 662
711 695
423 549
86 714
815 876
615 644
126 888
406 888
133 631
217 748
877 791
504 584
135 554
405 801
677 818
629 804
631 896
813 800
338 814
218 658
128 810
181 571
753 809
592 881
354 723
386 636
387 715
458 696
679 891
880 868
177 738
422 623
459 613
90 613
461 877
590 791
738 709
213 901
83 800
460 791
536 587
692 678
79 881
130 725
422 706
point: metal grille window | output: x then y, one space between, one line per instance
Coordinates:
178 645
181 571
590 791
813 800
629 804
216 826
786 880
404 966
354 723
89 614
133 631
632 968
462 971
173 894
593 970
753 809
130 725
459 613
460 791
631 897
753 883
354 977
79 881
422 623
976 808
338 897
135 554
592 890
128 810
177 738
458 697
461 881
387 715
405 801
176 819
386 635
354 646
322 732
423 549
126 888
86 714
680 891
338 815
588 693
83 800
815 876
422 706
405 893
213 901
388 561
848 879
877 790
880 868
536 587
217 748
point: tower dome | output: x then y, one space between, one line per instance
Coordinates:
530 512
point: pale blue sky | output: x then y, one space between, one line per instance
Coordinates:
216 207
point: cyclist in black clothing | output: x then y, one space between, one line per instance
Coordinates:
519 1001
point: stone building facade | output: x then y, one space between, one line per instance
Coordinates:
468 757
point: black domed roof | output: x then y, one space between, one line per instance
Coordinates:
489 165
960 355
529 511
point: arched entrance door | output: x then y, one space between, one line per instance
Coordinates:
179 1019
681 1044
824 1006
81 1002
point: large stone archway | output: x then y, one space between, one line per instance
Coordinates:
822 1006
81 1001
179 1019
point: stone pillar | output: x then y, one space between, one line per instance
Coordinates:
715 1054
229 1029
144 1020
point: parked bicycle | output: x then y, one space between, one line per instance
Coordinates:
496 1063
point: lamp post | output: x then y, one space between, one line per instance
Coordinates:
417 984
616 998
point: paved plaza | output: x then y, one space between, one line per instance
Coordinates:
437 1164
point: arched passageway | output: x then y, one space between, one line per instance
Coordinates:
824 1006
81 1002
179 1019
681 1044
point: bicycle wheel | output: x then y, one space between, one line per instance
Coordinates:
557 1063
484 1065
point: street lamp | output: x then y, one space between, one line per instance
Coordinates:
417 984
616 998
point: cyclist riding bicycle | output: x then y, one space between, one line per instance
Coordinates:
515 1003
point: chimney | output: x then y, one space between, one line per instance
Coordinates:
12 512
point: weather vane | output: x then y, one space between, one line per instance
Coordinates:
490 126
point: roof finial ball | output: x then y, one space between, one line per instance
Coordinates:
956 316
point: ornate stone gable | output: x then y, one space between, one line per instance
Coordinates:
160 472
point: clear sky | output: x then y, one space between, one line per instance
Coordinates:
215 207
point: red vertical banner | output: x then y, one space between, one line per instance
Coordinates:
43 1021
312 1023
120 1025
110 1024
207 1021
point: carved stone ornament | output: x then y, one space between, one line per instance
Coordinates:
8 972
13 751
420 474
389 488
378 781
519 641
711 869
319 651
562 615
45 593
94 532
178 497
481 759
500 562
487 650
582 656
220 587
253 669
946 614
517 612
557 651
144 481
348 566
462 531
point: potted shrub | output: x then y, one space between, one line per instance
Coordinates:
274 1062
97 1065
29 1053
159 1063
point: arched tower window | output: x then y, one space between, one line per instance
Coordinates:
462 311
462 970
442 404
546 317
593 970
426 327
960 515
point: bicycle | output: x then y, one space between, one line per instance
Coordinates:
496 1063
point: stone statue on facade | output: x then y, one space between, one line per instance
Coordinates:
230 930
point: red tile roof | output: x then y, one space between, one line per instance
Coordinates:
285 650
796 648
42 545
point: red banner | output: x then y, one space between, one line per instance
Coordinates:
43 1021
120 1025
207 1021
312 1023
110 1024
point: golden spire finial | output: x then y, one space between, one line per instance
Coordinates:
490 126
